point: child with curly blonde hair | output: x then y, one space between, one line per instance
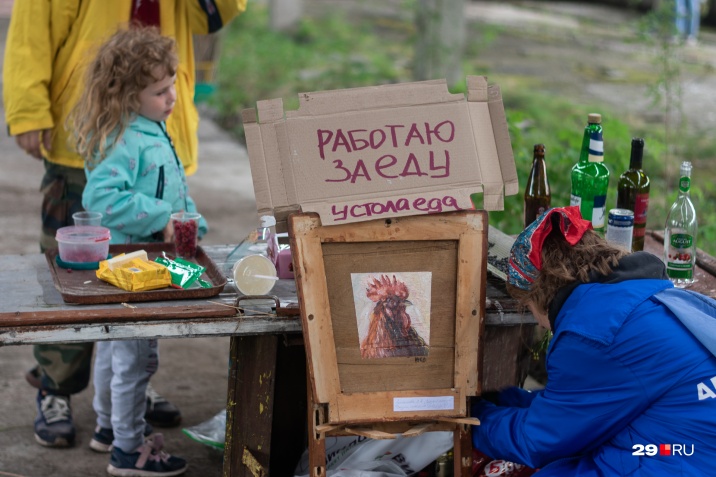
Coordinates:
136 180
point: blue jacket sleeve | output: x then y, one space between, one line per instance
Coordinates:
588 399
517 397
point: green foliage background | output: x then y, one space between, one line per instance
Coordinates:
335 52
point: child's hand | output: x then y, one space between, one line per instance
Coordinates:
168 232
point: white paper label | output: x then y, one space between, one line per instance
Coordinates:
426 403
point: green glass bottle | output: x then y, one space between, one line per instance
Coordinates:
680 234
590 177
633 193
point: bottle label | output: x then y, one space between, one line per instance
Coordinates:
641 206
575 200
598 211
680 259
681 242
596 146
685 184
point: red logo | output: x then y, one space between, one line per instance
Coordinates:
664 449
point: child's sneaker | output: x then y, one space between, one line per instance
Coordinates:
103 438
161 412
53 425
148 460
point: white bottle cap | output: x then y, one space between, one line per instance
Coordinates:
268 221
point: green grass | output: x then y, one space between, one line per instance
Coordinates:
334 52
323 54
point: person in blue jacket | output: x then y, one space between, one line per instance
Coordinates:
136 180
631 370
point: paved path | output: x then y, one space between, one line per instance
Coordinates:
5 8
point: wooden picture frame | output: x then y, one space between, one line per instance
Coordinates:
422 382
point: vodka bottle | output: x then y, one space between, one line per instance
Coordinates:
537 193
633 193
680 234
590 177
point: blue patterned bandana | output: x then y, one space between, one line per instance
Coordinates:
526 252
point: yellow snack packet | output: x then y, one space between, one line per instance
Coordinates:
136 274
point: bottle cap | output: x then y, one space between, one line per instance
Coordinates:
268 221
686 168
539 150
637 153
594 118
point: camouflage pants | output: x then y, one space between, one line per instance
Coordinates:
65 367
62 196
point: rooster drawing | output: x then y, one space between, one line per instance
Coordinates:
390 332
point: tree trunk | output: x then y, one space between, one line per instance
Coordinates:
440 26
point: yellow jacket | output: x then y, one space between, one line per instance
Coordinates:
50 43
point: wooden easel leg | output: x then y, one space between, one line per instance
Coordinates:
316 442
462 451
249 408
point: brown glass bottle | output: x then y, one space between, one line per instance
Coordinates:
537 193
633 193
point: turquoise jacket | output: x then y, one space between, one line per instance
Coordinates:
139 184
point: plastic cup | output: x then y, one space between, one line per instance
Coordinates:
255 275
186 233
87 218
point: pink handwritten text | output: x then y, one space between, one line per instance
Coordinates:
390 135
390 206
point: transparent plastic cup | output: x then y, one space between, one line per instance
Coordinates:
186 233
87 218
254 275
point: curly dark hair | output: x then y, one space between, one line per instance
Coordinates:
563 264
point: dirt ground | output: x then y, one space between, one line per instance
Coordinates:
578 50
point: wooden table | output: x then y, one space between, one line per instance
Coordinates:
266 405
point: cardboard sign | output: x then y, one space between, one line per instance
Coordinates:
377 152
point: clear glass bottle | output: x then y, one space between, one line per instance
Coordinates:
680 234
260 238
590 176
537 193
633 193
255 243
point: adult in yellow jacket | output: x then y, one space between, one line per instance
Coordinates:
48 46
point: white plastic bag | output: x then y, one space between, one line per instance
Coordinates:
356 456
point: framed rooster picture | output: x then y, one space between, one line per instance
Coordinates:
392 314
